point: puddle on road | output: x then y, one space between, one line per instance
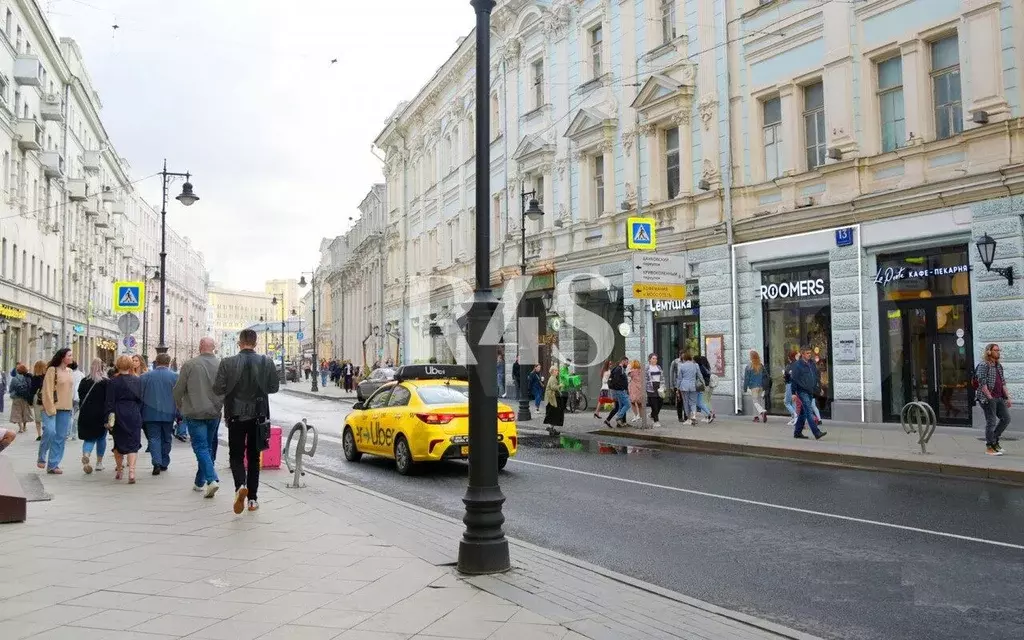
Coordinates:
587 443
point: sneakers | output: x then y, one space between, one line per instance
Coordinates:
197 488
791 423
657 425
821 434
253 505
999 448
800 436
992 451
99 464
240 497
211 490
86 467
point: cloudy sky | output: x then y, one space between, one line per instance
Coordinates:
242 94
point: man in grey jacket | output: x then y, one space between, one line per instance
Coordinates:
200 408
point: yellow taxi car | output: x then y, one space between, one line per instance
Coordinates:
422 416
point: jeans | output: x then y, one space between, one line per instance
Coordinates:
323 378
100 444
180 429
680 413
788 399
501 386
995 409
538 395
622 399
159 434
806 415
203 434
55 432
244 438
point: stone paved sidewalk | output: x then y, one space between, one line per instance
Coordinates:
156 561
954 451
330 392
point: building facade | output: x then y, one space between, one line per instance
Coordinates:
232 310
822 171
71 220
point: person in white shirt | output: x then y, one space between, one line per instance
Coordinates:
77 375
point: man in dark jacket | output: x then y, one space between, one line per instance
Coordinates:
806 380
618 384
245 381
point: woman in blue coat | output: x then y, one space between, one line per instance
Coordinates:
124 416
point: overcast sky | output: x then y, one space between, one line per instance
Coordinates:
242 94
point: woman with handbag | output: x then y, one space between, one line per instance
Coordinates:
690 383
92 418
38 373
604 397
636 389
755 381
123 406
653 379
58 402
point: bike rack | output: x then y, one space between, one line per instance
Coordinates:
302 428
919 418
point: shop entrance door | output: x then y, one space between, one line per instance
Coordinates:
931 357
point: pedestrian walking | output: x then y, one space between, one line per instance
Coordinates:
4 380
604 396
709 382
755 381
806 381
324 372
38 372
618 384
58 401
516 379
791 358
671 392
690 382
636 389
123 407
995 398
21 397
307 369
139 366
536 387
77 375
245 381
200 408
158 411
348 371
501 375
554 400
92 416
653 380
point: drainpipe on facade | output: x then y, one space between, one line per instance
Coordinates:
406 321
64 271
727 206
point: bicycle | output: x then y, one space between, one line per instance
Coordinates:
576 401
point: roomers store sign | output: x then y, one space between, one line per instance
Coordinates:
807 288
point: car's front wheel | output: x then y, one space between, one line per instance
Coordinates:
348 443
403 457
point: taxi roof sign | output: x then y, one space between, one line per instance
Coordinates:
432 372
640 234
129 296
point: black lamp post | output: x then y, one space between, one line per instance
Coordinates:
266 336
533 213
987 249
187 198
315 366
145 313
274 303
483 548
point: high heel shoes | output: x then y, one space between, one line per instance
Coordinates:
117 472
131 475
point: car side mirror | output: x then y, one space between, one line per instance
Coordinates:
359 406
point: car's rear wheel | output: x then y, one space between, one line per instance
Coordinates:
403 457
348 443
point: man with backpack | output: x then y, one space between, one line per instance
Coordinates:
618 384
995 398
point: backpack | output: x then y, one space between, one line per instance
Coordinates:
20 387
617 380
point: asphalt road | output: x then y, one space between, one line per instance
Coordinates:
834 552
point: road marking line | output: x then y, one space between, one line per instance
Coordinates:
758 503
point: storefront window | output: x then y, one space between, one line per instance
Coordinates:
797 312
676 325
926 332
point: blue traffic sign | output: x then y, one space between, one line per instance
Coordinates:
129 341
300 335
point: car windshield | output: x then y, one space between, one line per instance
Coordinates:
444 394
383 374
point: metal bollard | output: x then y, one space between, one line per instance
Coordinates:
919 418
300 450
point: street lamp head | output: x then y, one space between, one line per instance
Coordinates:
534 212
549 300
987 249
302 281
376 329
274 301
187 197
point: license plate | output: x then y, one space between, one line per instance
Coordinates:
464 451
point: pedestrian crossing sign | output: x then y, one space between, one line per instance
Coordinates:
640 234
129 296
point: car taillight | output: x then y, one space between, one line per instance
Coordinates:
438 418
507 416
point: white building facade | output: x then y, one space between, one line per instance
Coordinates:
71 220
792 154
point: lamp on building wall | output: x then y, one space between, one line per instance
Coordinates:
187 197
549 301
273 302
987 249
